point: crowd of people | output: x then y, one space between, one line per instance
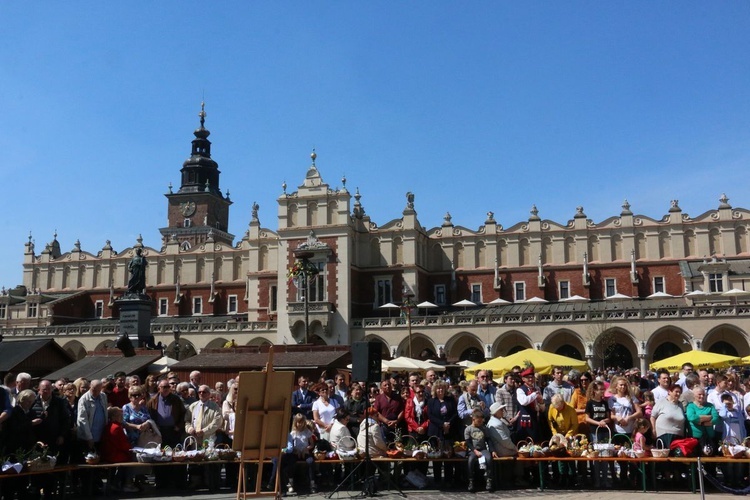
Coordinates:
89 421
80 419
493 417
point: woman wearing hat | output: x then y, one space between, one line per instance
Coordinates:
498 431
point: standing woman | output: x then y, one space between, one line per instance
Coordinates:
702 417
578 401
442 413
135 415
324 410
668 417
668 420
151 386
624 411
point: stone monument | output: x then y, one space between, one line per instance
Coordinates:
135 308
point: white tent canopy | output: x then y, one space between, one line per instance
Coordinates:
500 302
426 305
161 365
575 298
536 300
464 303
404 363
660 295
618 296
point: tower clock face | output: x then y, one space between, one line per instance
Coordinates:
187 208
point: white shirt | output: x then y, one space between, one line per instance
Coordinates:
325 412
659 393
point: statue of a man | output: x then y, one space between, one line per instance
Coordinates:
137 268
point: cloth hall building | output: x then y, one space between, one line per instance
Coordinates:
626 290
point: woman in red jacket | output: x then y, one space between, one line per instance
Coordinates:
415 415
115 449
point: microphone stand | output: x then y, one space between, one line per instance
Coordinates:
368 482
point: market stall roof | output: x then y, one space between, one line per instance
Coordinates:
35 357
92 367
699 359
293 360
543 362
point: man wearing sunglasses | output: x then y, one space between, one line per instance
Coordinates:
167 410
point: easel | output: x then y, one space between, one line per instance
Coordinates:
262 423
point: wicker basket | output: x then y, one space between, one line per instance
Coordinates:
346 448
432 447
42 463
523 448
659 452
605 449
732 448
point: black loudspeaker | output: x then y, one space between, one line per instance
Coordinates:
366 362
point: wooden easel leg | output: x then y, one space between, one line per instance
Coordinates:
241 484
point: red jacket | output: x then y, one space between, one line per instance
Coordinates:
115 446
410 416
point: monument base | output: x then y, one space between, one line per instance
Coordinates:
135 318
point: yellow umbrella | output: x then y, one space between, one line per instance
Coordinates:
746 360
543 363
699 359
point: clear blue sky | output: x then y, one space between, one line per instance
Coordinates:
472 106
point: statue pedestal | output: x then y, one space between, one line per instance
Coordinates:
135 318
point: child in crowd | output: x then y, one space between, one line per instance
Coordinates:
300 445
642 426
733 432
648 404
116 449
478 449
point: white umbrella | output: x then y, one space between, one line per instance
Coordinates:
389 306
735 292
404 363
660 295
426 305
618 296
466 363
465 303
696 293
161 365
575 298
499 302
536 300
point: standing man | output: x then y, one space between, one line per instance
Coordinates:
558 386
390 406
663 381
414 381
92 417
119 397
431 378
203 420
506 396
53 418
341 387
23 382
470 401
486 390
687 369
195 380
302 399
167 411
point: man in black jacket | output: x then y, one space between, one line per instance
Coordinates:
53 416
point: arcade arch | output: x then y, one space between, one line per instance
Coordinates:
419 343
565 343
216 343
75 349
666 342
727 339
464 345
510 342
